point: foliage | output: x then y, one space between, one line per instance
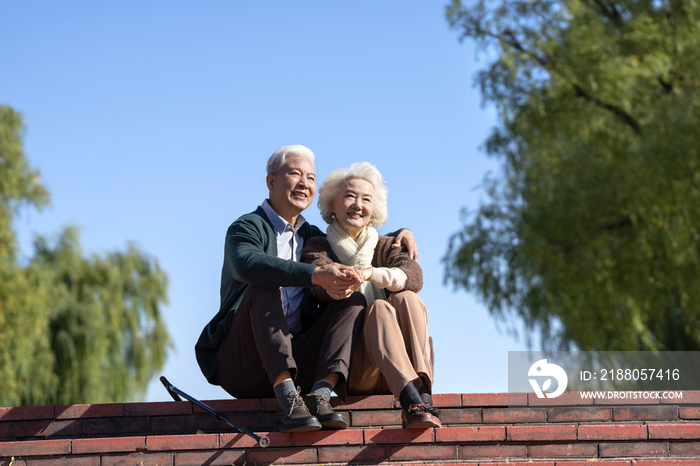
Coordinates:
72 329
591 234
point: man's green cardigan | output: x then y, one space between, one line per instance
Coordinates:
250 258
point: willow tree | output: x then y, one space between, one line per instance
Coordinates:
73 329
590 234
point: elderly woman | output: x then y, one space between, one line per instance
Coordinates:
393 354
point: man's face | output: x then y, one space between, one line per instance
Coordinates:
293 187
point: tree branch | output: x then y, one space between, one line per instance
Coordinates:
617 111
668 87
618 223
613 15
621 115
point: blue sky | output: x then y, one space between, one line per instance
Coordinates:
152 121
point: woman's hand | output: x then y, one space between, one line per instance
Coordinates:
359 277
366 274
337 279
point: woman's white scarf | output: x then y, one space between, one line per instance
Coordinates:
356 253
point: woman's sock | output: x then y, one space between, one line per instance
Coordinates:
425 394
409 396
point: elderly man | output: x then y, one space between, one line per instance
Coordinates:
268 332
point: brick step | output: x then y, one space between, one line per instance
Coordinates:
128 419
446 445
477 429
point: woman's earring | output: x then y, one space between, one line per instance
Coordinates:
332 217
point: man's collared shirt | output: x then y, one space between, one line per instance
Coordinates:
289 246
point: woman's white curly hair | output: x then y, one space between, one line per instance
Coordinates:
328 192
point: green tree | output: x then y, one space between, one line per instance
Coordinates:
73 329
590 235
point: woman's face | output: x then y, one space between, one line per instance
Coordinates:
354 205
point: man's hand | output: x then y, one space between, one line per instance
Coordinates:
337 279
405 238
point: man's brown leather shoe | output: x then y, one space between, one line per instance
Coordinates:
419 416
322 410
294 416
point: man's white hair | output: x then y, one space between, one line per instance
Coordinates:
328 192
278 157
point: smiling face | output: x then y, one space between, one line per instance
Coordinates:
354 205
293 187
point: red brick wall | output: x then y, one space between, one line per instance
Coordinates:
477 429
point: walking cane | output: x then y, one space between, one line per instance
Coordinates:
176 393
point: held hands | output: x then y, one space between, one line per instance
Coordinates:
405 239
362 276
340 281
337 279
